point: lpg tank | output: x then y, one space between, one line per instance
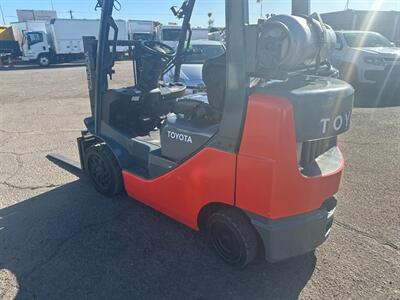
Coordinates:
290 42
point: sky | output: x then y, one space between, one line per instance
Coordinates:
159 9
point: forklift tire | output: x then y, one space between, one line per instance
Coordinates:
104 170
44 60
233 237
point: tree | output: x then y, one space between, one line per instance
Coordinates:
210 21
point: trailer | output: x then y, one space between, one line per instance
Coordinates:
62 40
169 34
9 48
141 30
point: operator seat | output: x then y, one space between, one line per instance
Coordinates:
208 107
214 77
197 121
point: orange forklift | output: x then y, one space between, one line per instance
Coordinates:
253 162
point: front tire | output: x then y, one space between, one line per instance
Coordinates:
233 237
44 60
104 170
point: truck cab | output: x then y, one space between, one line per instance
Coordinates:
36 47
169 34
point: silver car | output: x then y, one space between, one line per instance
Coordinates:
191 73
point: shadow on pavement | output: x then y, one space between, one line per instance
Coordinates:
72 243
370 97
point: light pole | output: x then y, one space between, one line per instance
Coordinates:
52 5
347 4
261 8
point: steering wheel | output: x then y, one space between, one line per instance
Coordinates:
159 49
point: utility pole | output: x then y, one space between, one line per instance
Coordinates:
70 13
261 8
52 5
348 5
2 15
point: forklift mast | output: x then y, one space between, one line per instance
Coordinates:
237 79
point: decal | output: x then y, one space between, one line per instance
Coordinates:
180 137
339 123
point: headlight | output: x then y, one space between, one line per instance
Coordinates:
371 60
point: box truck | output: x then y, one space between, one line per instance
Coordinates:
62 40
169 34
141 30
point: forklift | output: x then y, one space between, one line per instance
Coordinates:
253 162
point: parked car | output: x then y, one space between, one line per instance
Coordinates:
367 58
191 73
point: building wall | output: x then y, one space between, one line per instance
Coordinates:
385 22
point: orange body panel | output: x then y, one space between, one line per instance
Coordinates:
269 182
209 176
266 171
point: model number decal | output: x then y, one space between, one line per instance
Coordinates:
339 123
180 137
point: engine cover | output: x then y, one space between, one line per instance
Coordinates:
322 105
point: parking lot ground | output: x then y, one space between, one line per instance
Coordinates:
59 239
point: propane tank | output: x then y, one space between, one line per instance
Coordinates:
291 42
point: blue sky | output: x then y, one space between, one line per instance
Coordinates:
159 9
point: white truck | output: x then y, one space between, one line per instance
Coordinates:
366 58
141 30
19 28
169 34
63 40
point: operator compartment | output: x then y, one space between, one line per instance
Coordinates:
140 109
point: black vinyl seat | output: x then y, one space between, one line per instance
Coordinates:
207 106
214 77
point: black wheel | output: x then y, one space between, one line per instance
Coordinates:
104 170
44 60
233 237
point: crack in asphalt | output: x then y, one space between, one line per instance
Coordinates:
40 132
30 188
73 235
20 164
342 141
368 235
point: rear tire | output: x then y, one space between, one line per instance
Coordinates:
233 237
44 60
104 170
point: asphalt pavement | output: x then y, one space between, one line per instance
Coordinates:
59 239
